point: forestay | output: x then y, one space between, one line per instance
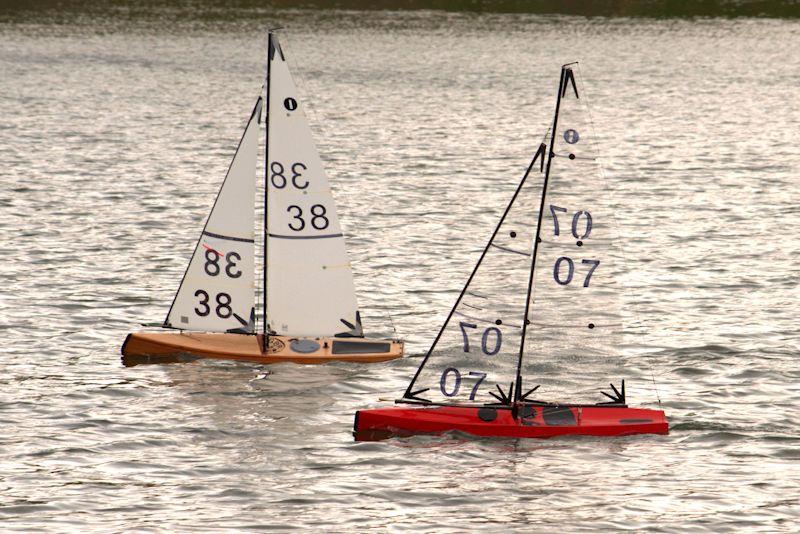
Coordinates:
217 292
475 356
310 290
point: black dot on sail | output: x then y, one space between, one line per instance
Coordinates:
498 322
571 136
572 156
513 234
579 243
290 104
591 325
527 321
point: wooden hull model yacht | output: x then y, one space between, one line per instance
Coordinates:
310 310
554 243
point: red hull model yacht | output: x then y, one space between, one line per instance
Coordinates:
531 421
556 243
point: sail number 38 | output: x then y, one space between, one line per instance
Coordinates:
213 268
222 309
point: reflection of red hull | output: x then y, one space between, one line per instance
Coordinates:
534 421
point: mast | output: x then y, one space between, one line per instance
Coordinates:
518 396
539 153
266 186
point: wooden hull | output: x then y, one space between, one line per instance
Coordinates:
173 347
534 421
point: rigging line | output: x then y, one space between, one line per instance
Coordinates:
539 153
487 321
510 250
614 221
537 239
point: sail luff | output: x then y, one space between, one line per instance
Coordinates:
539 153
537 239
266 188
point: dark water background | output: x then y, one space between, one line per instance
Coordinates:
116 129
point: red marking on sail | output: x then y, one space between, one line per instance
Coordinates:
212 250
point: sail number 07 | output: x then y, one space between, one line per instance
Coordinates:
491 332
456 387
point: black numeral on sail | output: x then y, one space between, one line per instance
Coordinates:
318 218
279 180
453 391
224 305
203 302
585 228
492 333
212 262
319 221
298 216
212 267
231 264
223 308
443 382
565 278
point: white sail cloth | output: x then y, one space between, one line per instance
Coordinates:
217 292
573 329
310 289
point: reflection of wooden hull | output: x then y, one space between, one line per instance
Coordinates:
533 421
172 347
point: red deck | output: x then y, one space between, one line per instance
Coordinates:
534 421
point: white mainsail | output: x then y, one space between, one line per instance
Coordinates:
217 292
572 322
310 290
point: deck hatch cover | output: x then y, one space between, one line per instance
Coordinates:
356 347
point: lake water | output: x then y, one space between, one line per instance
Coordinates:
116 129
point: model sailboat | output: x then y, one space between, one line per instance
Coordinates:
309 305
543 296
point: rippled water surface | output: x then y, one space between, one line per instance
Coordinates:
115 132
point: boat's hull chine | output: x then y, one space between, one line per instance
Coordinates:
532 421
173 347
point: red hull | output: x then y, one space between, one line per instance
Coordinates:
534 421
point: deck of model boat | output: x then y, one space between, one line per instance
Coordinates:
160 347
534 421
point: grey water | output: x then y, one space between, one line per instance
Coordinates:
116 128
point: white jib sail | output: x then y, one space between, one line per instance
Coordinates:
217 293
310 290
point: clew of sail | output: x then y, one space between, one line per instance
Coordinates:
310 289
575 319
217 292
474 358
